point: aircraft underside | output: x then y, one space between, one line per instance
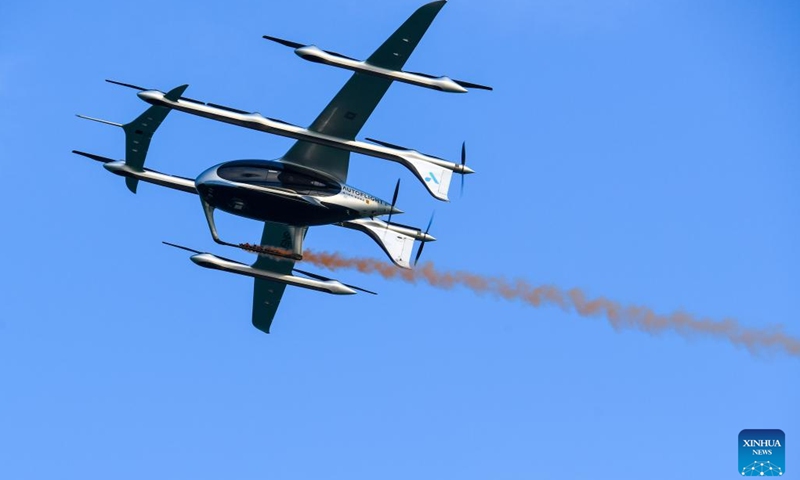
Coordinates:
307 186
273 208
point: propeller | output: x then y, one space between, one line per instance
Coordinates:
93 156
142 89
472 85
394 201
463 162
422 244
287 43
135 87
198 252
296 45
183 248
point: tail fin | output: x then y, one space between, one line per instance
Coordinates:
434 176
396 240
139 132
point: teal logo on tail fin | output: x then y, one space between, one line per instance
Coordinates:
431 178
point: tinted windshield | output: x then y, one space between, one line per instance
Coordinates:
271 177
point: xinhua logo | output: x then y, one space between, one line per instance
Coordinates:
762 453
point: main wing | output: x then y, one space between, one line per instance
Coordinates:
267 294
346 114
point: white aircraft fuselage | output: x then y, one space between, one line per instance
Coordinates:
281 192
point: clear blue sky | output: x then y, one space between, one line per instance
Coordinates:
646 151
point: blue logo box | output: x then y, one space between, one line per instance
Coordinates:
762 453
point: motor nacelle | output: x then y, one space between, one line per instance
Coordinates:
314 54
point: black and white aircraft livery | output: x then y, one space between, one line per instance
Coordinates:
306 186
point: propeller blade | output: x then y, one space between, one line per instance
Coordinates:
430 222
93 156
198 252
463 162
359 289
396 191
183 248
419 253
135 87
472 85
287 43
422 244
394 201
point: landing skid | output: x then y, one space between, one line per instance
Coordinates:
296 236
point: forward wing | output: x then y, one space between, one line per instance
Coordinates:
351 107
267 294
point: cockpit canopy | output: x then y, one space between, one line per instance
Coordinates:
267 173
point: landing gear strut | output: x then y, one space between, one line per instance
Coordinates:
291 245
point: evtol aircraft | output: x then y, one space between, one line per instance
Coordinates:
306 186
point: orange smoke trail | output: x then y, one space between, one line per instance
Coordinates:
619 316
